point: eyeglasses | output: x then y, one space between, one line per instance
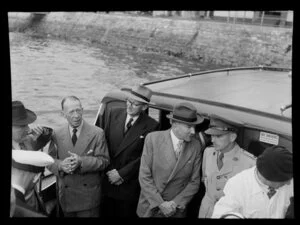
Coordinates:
133 103
223 128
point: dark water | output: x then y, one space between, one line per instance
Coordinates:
43 71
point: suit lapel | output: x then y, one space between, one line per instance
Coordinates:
135 131
84 138
182 160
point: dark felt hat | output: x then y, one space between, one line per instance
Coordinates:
21 115
185 112
275 164
220 126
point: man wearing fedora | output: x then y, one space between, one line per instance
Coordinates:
125 131
81 155
263 191
26 138
27 167
170 166
221 161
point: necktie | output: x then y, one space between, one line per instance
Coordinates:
129 125
271 192
22 145
220 160
178 149
74 137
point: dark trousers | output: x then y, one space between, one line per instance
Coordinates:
85 213
111 207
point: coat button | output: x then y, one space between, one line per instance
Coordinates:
218 189
218 177
66 186
85 185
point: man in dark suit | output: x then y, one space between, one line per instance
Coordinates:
170 166
27 166
125 131
80 154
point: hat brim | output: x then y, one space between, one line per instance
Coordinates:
200 119
212 131
30 118
134 97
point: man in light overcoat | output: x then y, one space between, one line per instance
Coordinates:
81 154
170 166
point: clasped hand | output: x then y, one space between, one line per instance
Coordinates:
69 164
114 177
168 208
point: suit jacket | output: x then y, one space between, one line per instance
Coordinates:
125 152
22 209
80 190
214 179
163 178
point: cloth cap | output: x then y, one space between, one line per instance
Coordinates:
21 115
185 112
275 164
31 161
140 93
220 126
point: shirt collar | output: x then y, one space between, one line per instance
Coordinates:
175 140
78 129
133 117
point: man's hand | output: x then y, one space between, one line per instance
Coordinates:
65 165
75 160
114 177
36 131
168 208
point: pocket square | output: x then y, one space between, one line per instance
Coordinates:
90 152
142 136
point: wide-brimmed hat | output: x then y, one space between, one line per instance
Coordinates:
31 161
220 126
275 164
140 93
185 112
21 115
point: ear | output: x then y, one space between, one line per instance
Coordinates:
233 136
144 107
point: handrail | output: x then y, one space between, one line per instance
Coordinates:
220 70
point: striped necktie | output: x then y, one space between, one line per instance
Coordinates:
74 136
220 160
129 124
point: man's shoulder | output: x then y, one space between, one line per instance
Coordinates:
158 134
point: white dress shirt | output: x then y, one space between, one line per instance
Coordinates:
175 142
78 129
134 118
246 195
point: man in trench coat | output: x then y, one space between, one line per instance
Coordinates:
170 166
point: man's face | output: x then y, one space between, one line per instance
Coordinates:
222 142
73 112
134 107
183 131
19 133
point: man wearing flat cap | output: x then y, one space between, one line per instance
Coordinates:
26 138
263 191
170 166
125 131
27 166
221 161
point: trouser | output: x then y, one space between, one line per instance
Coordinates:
112 207
207 207
94 212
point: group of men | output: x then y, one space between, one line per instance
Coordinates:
132 169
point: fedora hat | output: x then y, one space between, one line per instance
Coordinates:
21 115
140 93
220 126
185 113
